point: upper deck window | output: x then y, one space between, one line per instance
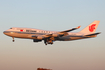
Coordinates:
30 31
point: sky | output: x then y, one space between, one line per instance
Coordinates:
55 15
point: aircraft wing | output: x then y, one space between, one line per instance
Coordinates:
70 29
61 33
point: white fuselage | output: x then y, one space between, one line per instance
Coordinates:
28 32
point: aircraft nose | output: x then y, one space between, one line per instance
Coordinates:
8 33
4 32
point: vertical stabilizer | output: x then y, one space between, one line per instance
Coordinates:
91 28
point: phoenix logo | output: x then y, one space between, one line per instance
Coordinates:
92 27
21 30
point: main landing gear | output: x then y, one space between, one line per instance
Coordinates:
48 42
45 42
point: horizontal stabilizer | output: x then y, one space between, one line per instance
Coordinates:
93 34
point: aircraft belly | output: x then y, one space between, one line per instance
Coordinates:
20 35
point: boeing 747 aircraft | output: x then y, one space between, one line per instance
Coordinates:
49 37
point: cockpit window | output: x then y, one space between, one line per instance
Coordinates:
10 28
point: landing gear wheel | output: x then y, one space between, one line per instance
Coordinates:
52 43
45 43
13 40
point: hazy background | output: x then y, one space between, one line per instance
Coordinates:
23 54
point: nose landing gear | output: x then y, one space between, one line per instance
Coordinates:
13 39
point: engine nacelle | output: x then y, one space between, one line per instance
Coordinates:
35 40
55 35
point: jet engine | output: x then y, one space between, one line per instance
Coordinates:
36 40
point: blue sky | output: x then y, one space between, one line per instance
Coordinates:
54 15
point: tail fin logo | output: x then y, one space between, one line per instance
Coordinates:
92 27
